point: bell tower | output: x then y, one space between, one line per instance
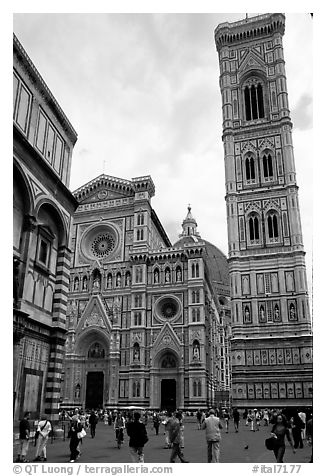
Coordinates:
271 326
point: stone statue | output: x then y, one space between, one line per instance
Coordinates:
136 353
167 276
196 354
96 283
109 281
84 283
156 276
178 275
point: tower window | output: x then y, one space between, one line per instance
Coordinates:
254 101
250 168
267 166
253 228
272 224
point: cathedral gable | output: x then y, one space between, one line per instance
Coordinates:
103 188
94 316
166 339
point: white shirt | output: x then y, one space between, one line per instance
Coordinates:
44 430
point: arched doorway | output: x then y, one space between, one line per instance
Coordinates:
168 374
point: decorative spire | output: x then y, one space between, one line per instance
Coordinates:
189 225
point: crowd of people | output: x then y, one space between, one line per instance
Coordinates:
292 424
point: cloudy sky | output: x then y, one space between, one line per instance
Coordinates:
142 92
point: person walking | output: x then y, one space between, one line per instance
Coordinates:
138 438
167 423
119 427
24 434
199 417
93 422
75 427
212 426
297 427
226 418
236 419
175 438
179 415
279 431
43 430
156 422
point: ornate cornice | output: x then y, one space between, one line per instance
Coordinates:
228 34
43 88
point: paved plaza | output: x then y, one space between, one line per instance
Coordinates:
103 449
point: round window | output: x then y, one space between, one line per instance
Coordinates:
102 245
167 307
99 241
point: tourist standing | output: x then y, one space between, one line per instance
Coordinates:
175 438
212 426
93 422
106 418
24 434
236 419
43 430
279 431
138 438
309 433
303 417
266 417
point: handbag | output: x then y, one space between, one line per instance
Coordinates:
81 433
270 443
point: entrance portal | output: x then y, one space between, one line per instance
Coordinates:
94 390
168 394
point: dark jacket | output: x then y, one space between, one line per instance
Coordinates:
137 433
24 429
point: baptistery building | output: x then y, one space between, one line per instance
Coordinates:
148 322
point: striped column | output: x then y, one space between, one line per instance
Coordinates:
57 340
60 297
53 382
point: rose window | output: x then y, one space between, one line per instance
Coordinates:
103 245
168 307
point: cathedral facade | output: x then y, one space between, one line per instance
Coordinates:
271 325
147 322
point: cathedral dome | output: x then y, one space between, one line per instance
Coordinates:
216 264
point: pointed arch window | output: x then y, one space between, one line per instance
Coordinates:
268 166
250 169
254 100
253 228
273 227
195 270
